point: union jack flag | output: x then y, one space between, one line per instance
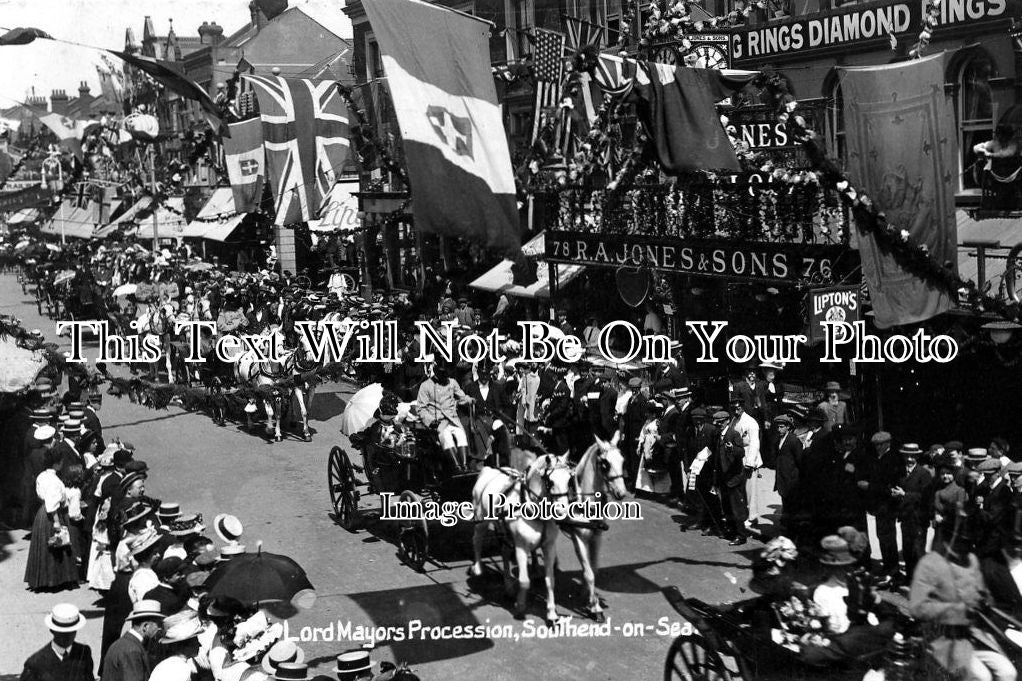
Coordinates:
305 135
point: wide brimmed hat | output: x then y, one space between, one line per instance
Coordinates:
181 626
122 457
144 541
130 479
186 525
228 527
835 551
146 609
65 617
136 512
281 653
353 661
44 433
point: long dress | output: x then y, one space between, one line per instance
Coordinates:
101 566
49 568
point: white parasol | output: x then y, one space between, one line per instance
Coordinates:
64 276
18 366
360 409
125 290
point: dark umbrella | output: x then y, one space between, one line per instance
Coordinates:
260 578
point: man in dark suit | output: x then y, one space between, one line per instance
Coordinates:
880 475
668 376
913 494
63 659
633 419
705 435
788 463
91 419
992 500
675 433
731 478
486 391
748 391
127 659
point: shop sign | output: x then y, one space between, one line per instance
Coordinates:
25 198
732 260
759 128
857 27
832 304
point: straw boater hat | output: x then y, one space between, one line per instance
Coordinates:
292 671
168 511
353 661
282 652
146 609
227 527
44 433
231 550
64 617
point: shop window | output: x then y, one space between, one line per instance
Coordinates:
975 111
836 124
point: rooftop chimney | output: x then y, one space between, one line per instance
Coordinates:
59 102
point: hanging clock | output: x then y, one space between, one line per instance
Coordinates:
710 56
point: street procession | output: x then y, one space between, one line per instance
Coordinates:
552 339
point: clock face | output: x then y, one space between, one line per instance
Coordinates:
710 57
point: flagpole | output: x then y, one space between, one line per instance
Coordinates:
60 183
152 180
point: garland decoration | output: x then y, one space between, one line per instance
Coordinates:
366 135
29 153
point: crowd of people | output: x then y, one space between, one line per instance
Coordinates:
93 524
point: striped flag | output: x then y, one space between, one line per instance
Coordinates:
615 75
305 135
548 69
246 164
582 33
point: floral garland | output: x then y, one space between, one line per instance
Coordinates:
931 19
670 20
364 132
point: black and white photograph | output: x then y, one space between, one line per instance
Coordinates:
416 340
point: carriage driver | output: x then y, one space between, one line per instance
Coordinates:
438 400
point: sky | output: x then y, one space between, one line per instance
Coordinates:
46 65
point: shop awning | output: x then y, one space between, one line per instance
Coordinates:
500 278
340 210
170 223
217 219
24 216
221 231
1008 231
71 222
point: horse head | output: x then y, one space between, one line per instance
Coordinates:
610 464
550 477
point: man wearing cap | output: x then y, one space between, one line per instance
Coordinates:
675 433
705 436
881 473
948 498
438 400
731 477
63 659
833 406
789 461
746 426
746 390
992 501
128 659
633 420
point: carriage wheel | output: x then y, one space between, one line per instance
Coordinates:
413 542
343 495
691 658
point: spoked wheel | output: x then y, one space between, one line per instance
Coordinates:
692 659
343 495
413 542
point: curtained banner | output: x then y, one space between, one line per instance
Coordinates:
900 133
438 66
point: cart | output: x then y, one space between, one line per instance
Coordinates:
733 642
412 472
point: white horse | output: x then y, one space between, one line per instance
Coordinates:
548 478
158 320
291 364
599 476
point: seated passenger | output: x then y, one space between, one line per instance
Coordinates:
848 604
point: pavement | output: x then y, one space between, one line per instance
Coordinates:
279 491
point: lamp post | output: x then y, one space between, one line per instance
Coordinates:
152 181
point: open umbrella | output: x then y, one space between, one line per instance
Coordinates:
360 409
53 247
125 290
260 578
64 276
